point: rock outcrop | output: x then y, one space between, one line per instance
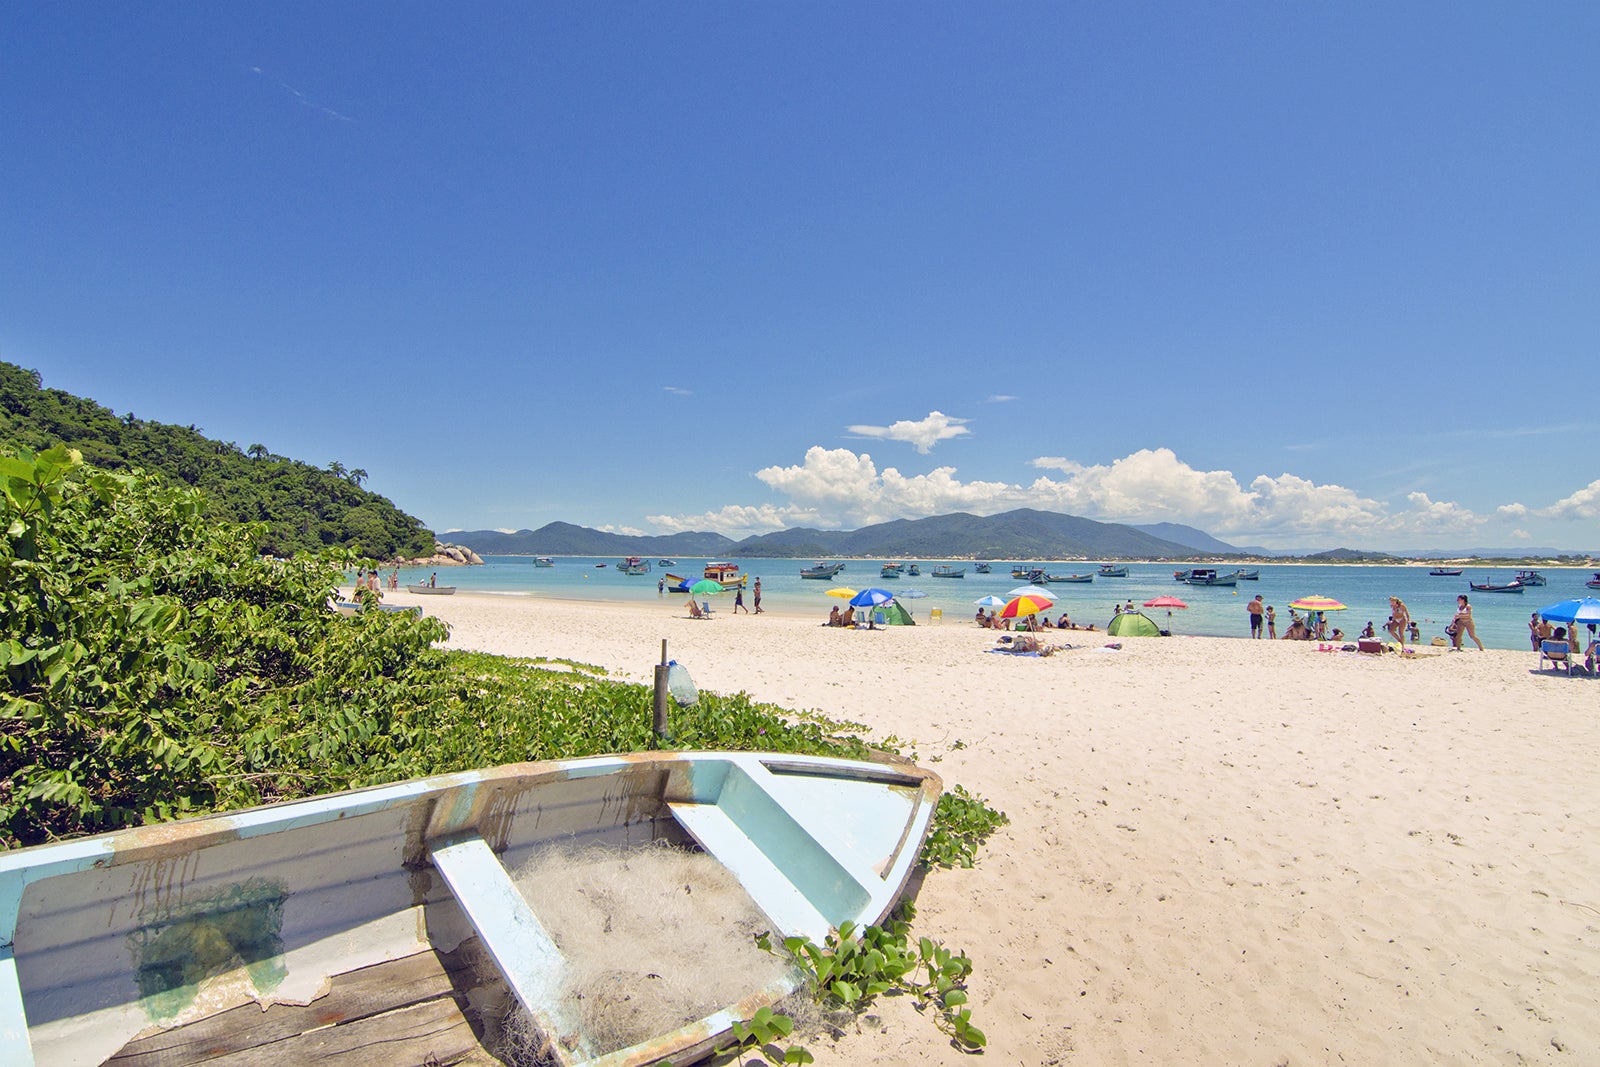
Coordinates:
444 555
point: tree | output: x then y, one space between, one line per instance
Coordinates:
357 476
257 451
336 469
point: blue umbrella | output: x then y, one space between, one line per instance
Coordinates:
871 598
912 594
990 601
1579 609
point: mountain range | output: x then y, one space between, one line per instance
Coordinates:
1021 534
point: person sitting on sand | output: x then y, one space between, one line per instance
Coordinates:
1338 634
1064 623
833 617
1399 621
981 619
1368 632
1297 631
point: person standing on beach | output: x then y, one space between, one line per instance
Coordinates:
1533 631
1272 623
1399 620
757 596
1257 612
1462 623
738 601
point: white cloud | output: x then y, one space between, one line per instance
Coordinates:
676 390
1002 398
626 531
841 489
1511 511
922 434
1521 535
1584 504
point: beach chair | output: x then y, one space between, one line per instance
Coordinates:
936 615
1557 653
696 613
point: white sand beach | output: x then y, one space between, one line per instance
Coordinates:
1220 851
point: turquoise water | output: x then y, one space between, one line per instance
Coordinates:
1502 619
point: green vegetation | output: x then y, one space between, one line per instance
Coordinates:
300 507
155 665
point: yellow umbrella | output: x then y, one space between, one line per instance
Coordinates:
843 592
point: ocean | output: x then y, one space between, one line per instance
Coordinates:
1217 611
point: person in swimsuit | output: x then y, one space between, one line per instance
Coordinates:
1462 623
1257 612
1399 620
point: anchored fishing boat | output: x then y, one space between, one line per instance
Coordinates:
1445 572
391 924
821 570
944 570
634 565
1110 570
543 561
1208 576
1080 578
1529 578
1512 586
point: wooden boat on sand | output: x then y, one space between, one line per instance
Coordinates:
432 590
396 924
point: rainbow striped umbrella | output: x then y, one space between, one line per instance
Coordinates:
1025 605
1317 603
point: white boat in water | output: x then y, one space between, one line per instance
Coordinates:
432 590
388 925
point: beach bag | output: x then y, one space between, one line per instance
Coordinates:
680 685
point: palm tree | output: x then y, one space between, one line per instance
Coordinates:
357 476
257 451
336 469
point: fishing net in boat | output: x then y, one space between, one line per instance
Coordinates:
654 938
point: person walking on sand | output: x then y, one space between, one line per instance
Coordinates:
1257 612
1462 623
757 596
738 601
1399 620
1272 624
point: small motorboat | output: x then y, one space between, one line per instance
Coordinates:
1512 586
821 570
1445 572
432 590
1530 578
1209 576
981 568
944 570
1244 575
543 561
1113 570
1056 578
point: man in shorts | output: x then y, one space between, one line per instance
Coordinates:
1256 609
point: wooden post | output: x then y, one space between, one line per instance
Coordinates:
661 730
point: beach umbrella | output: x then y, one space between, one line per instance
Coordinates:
1025 605
843 592
990 601
1317 603
1168 602
1581 609
912 594
871 598
707 587
1030 590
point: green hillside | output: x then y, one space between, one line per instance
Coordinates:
303 507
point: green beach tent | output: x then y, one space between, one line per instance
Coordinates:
1132 624
894 614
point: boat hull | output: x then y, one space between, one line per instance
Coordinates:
116 936
432 590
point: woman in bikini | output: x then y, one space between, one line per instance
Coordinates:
1462 623
1399 619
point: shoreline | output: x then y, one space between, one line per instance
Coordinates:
1220 850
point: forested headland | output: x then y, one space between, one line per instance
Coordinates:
300 507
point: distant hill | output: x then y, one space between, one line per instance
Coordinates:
1348 555
1021 534
565 539
303 507
1198 540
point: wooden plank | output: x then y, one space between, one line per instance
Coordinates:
376 991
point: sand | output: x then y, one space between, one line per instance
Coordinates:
1221 851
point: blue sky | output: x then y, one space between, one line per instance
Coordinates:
1297 275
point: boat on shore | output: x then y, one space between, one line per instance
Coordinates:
944 570
390 924
1446 572
677 583
1113 570
1530 578
726 573
1210 576
431 590
821 570
1512 586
